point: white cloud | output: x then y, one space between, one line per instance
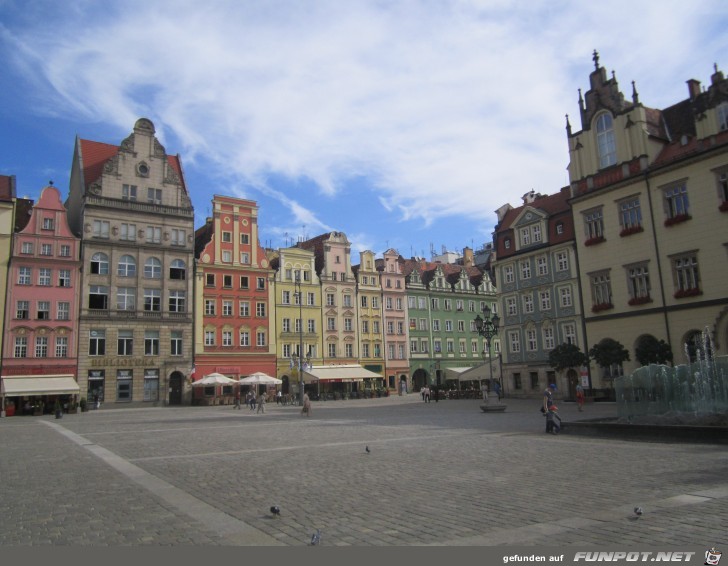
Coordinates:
448 108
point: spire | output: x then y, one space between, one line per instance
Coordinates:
635 95
568 125
595 58
581 101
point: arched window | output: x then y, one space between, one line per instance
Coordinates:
100 264
153 268
177 270
605 140
126 267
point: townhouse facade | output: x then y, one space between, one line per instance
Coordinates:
396 330
130 206
233 294
41 326
538 289
297 323
369 309
649 197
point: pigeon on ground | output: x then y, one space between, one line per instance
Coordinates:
316 537
275 510
638 511
367 449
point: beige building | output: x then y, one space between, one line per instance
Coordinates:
650 205
369 303
130 205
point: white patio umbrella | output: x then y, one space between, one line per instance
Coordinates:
260 378
214 379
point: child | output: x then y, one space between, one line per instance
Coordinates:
553 421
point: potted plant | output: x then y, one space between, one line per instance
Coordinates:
57 409
83 405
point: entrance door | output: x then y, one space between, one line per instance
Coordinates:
573 379
175 388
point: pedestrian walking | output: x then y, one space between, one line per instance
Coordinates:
436 393
580 397
484 391
422 392
548 401
279 397
237 400
252 401
306 410
497 389
427 393
261 403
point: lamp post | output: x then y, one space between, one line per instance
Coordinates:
299 295
487 327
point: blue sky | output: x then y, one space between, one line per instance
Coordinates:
404 124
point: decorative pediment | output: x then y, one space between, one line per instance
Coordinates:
529 215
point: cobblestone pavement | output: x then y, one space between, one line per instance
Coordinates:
438 474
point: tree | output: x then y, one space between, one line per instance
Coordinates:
609 352
649 350
566 356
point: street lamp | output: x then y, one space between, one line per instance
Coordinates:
487 327
299 295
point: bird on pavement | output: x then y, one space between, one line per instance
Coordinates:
638 511
276 511
367 449
316 537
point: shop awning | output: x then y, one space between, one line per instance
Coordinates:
342 373
19 385
470 373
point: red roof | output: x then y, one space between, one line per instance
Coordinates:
95 154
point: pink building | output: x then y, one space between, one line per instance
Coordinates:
41 323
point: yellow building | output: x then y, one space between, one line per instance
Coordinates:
369 308
297 324
649 197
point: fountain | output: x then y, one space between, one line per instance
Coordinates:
693 393
657 402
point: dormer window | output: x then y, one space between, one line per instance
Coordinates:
507 243
605 141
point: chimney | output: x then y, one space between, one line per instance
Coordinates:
693 88
467 257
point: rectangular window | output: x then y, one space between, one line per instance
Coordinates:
531 341
227 256
260 284
685 272
126 299
48 224
154 235
630 216
424 324
124 381
601 291
128 192
330 302
209 280
244 239
154 196
227 237
41 346
125 343
438 346
525 269
227 281
565 296
562 261
347 325
64 277
545 298
22 310
548 338
227 338
151 385
364 301
127 232
210 307
151 342
311 325
244 338
388 303
26 248
528 304
448 304
97 343
525 236
677 205
44 277
594 224
435 304
245 258
542 266
61 346
723 182
332 350
64 311
179 237
46 249
330 323
511 306
514 339
536 231
244 282
570 334
349 350
424 347
209 337
244 308
375 327
152 300
422 302
21 347
98 297
286 325
65 250
638 282
436 325
175 344
178 300
448 326
227 308
24 276
100 229
260 310
260 338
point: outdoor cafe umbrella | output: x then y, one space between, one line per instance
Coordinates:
214 380
260 378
